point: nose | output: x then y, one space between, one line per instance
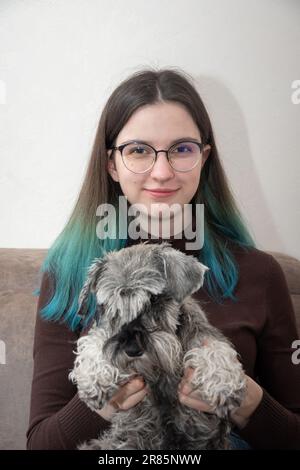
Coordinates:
132 349
162 169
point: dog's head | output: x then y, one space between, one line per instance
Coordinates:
124 281
138 290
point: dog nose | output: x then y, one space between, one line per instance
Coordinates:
133 350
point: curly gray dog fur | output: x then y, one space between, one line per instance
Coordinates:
150 325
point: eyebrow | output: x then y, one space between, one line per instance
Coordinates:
180 139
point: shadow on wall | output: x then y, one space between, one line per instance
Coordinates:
238 163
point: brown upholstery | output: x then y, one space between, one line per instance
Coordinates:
19 274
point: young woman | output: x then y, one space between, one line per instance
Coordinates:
154 145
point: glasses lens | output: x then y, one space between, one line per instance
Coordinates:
138 157
184 156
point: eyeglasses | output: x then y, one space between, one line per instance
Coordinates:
140 158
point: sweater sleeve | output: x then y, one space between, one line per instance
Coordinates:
275 424
58 418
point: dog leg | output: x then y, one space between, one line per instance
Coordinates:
218 377
96 378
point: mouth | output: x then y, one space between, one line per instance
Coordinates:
161 192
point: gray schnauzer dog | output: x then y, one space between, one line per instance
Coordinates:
148 324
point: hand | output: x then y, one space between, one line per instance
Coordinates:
254 393
239 416
189 397
126 397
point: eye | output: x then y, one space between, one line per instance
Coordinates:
138 150
132 150
184 148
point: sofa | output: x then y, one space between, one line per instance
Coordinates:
19 277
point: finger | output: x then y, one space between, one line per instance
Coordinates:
186 388
195 403
130 380
126 391
188 373
136 382
133 400
133 386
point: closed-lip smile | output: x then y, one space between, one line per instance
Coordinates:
161 190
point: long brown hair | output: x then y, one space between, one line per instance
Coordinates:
77 245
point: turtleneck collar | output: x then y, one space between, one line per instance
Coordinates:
177 243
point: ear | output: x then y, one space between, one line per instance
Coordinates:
205 154
184 274
94 272
111 166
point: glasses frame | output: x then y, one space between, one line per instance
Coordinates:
201 146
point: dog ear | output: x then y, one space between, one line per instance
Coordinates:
184 274
94 272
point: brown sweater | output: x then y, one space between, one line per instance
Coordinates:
261 326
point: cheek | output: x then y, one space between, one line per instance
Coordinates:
132 187
190 182
195 182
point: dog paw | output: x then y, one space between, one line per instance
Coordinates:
94 376
218 375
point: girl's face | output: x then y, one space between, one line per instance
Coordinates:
159 125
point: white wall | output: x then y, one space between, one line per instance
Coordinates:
61 59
